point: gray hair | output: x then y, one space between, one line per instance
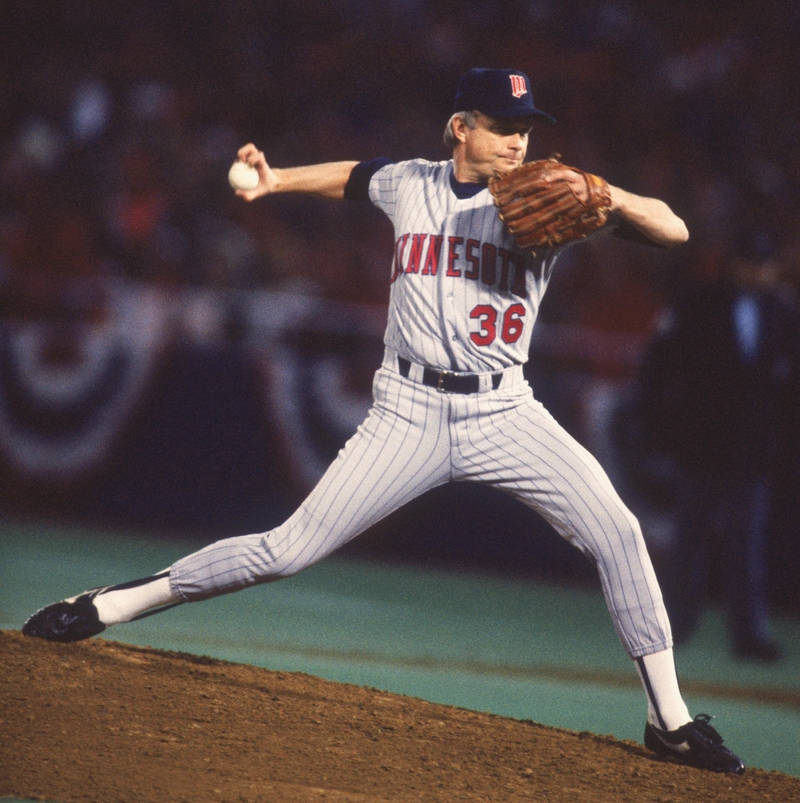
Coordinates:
470 119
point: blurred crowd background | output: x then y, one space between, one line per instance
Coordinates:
172 357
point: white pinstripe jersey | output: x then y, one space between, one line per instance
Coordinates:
463 296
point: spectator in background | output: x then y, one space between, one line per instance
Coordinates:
716 384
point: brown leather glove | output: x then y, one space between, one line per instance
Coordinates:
541 213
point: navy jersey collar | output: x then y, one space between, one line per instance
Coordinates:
465 189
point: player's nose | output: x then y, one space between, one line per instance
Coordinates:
516 142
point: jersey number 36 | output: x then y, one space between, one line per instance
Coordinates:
510 329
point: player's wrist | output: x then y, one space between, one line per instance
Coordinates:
619 198
276 179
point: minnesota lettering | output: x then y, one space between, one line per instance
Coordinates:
427 254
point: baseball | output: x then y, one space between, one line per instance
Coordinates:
243 177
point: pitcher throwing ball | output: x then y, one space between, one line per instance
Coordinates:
476 241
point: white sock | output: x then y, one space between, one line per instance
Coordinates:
666 709
124 602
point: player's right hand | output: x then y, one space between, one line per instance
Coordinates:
267 180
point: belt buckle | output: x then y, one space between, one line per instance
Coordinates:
440 381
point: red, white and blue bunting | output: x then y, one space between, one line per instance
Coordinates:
68 388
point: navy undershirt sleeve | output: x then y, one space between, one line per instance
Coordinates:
357 187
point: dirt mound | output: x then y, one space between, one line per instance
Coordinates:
102 721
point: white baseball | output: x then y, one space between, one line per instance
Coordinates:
243 177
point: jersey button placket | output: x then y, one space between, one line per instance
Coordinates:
453 337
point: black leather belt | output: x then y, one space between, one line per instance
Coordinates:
446 381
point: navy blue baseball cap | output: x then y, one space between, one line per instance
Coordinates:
497 93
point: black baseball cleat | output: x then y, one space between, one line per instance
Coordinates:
71 619
696 744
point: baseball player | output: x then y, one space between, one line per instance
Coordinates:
450 401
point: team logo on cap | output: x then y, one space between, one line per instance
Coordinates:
518 88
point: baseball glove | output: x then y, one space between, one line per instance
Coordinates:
542 213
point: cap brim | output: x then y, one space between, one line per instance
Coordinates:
541 117
516 114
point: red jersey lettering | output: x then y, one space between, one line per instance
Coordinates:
415 256
488 264
452 255
399 247
506 257
432 257
473 259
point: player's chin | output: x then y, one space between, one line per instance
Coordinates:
505 165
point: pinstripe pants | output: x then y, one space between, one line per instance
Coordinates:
416 438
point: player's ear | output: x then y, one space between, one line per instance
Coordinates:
460 128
